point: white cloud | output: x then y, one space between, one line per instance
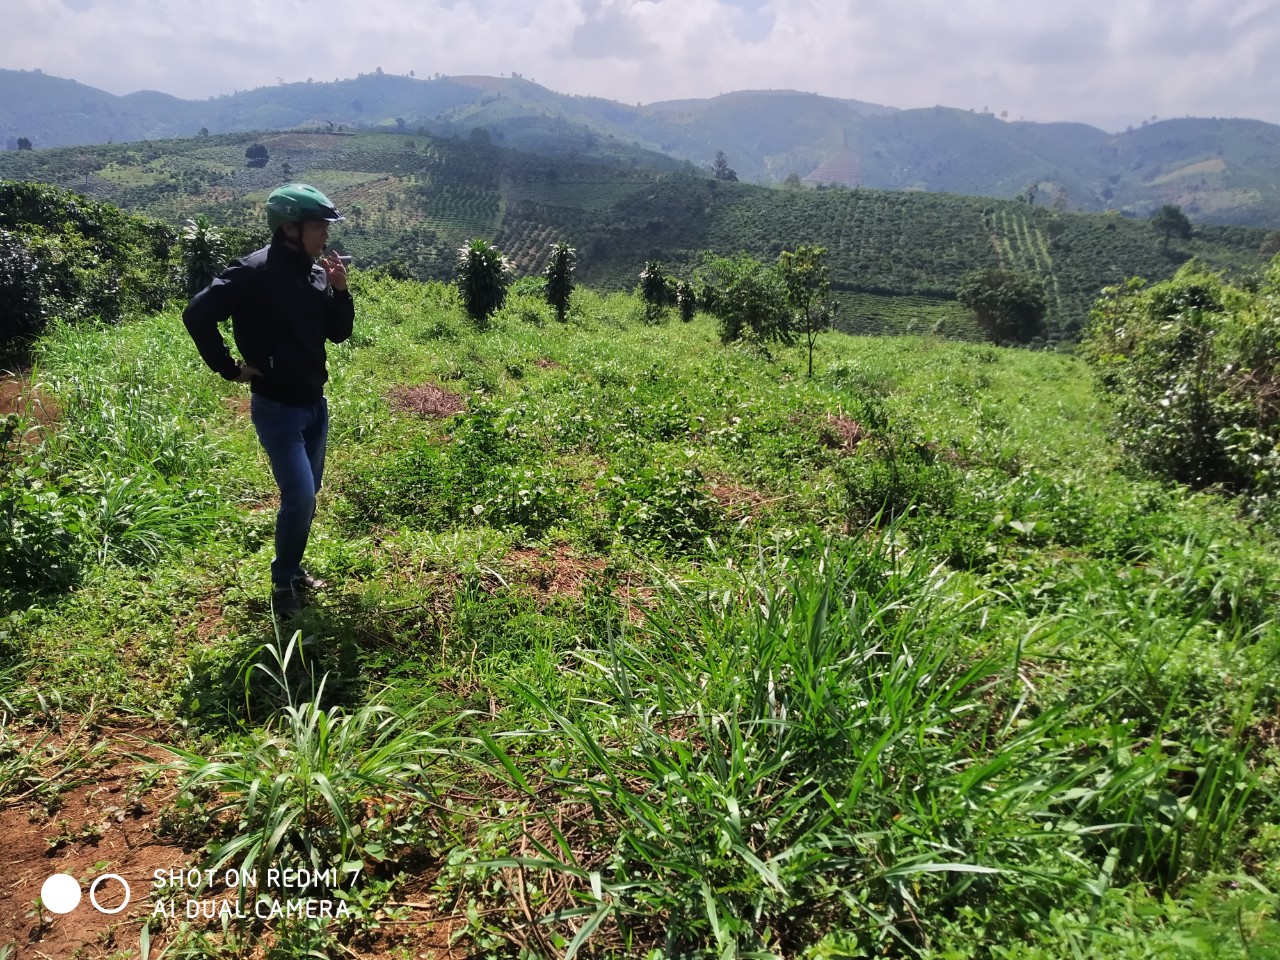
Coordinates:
1085 61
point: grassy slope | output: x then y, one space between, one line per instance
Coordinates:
486 573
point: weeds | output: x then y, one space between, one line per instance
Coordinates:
967 690
306 790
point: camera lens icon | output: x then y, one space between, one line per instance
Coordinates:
61 893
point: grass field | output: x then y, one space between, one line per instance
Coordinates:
634 645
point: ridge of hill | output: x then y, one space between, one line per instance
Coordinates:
896 256
1218 170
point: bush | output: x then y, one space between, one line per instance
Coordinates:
62 255
748 298
559 275
662 505
40 522
489 473
1193 365
483 277
21 307
1007 306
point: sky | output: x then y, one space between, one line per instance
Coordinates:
1110 63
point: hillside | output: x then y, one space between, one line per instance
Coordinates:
634 642
1219 170
412 200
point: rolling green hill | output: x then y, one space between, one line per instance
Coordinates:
412 200
1219 170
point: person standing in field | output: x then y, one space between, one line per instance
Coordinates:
284 302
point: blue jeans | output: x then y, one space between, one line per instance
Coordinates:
294 438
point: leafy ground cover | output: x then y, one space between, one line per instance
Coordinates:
636 645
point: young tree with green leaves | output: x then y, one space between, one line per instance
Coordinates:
807 280
686 300
653 290
1171 222
748 298
483 278
1007 306
204 253
559 274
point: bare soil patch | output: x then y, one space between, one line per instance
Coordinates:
36 410
561 573
104 830
839 432
427 400
740 502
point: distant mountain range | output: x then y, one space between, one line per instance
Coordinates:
1217 170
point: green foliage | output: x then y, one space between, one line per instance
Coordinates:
311 789
40 523
559 276
204 253
256 155
721 170
812 753
1170 221
686 300
489 473
808 283
653 289
661 505
21 303
894 660
1193 365
483 276
411 201
64 256
1008 307
747 298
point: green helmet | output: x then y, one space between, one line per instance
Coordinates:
298 202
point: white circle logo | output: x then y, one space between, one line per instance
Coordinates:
60 893
93 893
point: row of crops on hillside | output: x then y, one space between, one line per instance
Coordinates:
880 242
411 198
871 314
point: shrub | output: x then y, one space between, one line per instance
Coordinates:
1193 365
559 274
653 290
662 505
483 277
62 255
686 300
204 253
748 298
21 306
1007 306
40 522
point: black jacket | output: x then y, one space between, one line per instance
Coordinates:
282 310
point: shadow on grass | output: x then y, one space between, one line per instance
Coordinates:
248 680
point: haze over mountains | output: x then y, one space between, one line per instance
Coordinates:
1217 170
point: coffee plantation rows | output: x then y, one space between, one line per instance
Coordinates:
412 200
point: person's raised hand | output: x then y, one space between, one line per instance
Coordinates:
335 270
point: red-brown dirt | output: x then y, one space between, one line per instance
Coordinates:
427 401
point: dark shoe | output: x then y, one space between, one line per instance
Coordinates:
284 600
308 582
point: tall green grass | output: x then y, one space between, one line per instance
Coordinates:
839 746
896 660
